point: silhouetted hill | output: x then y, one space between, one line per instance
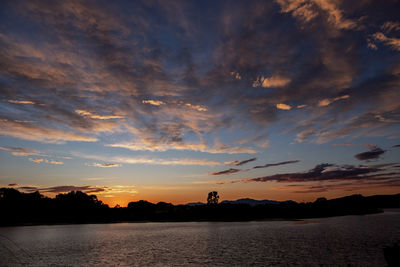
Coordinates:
196 204
254 202
18 208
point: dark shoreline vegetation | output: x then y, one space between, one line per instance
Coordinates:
18 208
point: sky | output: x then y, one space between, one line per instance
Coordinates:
169 100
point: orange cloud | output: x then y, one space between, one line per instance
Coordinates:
327 101
196 107
104 165
283 106
273 81
26 102
151 161
94 116
40 160
153 102
149 145
27 131
392 42
307 10
20 151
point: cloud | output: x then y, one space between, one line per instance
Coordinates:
20 151
303 135
40 160
55 162
88 189
104 165
327 101
393 42
236 75
374 153
327 172
283 106
276 164
12 185
44 134
239 163
94 116
153 102
26 102
273 81
230 171
308 10
37 160
196 107
389 26
151 145
149 160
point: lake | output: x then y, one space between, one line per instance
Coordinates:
347 240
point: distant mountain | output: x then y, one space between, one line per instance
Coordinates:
246 201
195 204
254 202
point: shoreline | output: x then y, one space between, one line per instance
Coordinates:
187 221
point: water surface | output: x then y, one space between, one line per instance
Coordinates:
348 240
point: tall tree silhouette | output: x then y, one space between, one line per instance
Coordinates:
212 198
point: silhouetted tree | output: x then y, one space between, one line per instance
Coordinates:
212 198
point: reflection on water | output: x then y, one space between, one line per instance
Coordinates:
354 240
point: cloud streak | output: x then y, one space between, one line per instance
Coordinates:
42 160
20 151
276 164
226 172
104 165
149 160
328 172
240 163
373 154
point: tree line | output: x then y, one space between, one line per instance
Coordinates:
19 208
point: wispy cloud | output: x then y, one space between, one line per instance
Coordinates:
327 172
283 106
95 116
149 160
44 134
40 160
308 10
104 165
150 145
276 164
153 102
229 171
26 102
196 107
374 153
327 101
393 42
273 81
240 163
89 189
20 151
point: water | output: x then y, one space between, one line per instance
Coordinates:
337 241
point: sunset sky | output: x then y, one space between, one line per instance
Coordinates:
168 100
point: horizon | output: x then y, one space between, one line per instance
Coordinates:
220 201
167 101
